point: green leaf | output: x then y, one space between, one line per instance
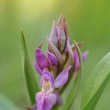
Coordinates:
70 98
31 82
56 107
6 104
96 84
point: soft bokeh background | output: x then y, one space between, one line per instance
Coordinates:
88 21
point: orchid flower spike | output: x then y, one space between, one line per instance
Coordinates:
57 68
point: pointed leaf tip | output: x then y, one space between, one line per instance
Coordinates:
21 31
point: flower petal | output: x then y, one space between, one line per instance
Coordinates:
84 55
39 70
45 100
59 99
41 59
62 78
49 76
52 59
76 59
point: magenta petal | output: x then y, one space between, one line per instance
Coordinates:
49 76
62 78
39 70
41 59
45 100
59 99
52 59
84 55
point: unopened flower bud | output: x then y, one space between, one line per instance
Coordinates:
41 59
61 34
52 59
53 36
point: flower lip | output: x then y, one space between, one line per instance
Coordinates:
45 100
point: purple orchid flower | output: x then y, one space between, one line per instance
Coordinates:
76 59
43 62
49 96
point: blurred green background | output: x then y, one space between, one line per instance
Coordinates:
88 21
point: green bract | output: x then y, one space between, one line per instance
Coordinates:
73 91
